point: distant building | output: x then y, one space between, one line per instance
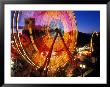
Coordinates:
29 22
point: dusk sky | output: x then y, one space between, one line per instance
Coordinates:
88 21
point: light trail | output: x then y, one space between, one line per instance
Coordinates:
23 54
15 41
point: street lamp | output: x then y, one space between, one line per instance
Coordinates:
82 66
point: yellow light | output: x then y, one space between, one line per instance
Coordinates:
97 34
44 68
81 65
84 66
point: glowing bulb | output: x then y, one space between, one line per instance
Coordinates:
84 66
81 65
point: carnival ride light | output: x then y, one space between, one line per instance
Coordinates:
60 49
83 66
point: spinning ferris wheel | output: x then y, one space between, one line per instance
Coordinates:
48 38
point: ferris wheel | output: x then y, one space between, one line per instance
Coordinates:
56 44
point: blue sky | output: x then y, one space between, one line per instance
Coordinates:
88 21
